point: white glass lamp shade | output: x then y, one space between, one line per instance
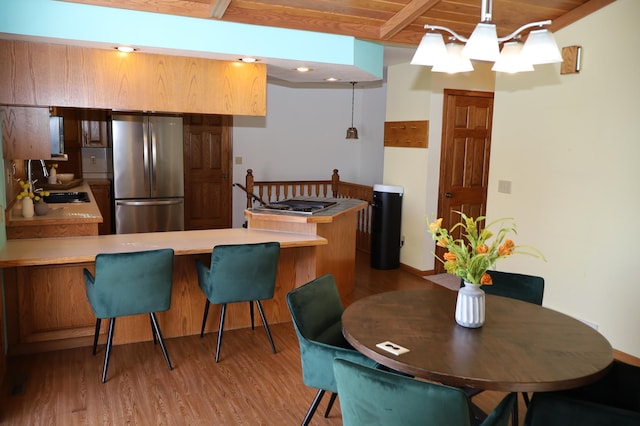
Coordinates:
483 43
541 48
430 51
510 59
453 62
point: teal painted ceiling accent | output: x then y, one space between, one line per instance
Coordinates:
77 23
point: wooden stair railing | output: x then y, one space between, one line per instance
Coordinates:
264 192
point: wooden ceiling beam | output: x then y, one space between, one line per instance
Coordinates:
405 16
218 8
578 13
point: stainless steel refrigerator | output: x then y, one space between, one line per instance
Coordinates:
148 180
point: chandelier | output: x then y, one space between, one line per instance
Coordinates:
484 45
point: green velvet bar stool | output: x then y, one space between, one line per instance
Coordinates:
372 397
239 273
130 284
316 310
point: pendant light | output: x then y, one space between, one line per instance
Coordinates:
352 132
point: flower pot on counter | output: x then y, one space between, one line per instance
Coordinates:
27 207
470 306
41 208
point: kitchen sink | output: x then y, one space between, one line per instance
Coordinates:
66 197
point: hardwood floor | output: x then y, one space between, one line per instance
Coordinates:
249 386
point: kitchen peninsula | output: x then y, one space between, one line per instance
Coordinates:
46 305
337 224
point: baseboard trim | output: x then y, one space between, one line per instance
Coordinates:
626 358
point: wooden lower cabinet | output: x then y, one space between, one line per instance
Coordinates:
47 308
101 189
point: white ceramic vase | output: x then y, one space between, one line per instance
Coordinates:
27 207
470 306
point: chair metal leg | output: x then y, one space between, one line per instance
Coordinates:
525 396
112 324
514 413
223 311
97 333
157 332
153 332
314 406
266 325
251 312
204 318
331 401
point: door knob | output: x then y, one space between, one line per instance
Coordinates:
448 195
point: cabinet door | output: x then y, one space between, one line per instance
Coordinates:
102 193
94 128
25 133
72 142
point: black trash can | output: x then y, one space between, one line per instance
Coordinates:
385 226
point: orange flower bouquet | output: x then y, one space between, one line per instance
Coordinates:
470 257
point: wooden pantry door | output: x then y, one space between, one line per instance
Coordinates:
464 162
207 171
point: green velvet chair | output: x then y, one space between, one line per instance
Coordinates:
613 400
239 273
316 310
527 288
130 284
373 397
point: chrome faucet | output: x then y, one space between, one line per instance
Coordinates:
30 180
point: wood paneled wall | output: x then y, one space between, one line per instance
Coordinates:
40 74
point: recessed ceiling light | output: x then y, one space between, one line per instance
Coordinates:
125 49
248 59
303 69
331 79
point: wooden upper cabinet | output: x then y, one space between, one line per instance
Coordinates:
43 74
25 133
94 128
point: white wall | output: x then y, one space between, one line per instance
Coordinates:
415 93
303 137
569 145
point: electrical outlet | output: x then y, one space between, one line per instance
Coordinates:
392 347
238 160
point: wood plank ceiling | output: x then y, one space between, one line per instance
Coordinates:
398 22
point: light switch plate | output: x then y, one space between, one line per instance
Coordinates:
392 347
504 186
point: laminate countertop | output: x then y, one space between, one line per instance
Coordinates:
67 250
65 213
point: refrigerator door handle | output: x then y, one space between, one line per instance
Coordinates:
154 157
145 152
149 202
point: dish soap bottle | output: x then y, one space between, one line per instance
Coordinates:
53 176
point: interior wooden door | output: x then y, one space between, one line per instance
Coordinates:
207 159
464 164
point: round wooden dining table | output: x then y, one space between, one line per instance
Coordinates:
521 347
